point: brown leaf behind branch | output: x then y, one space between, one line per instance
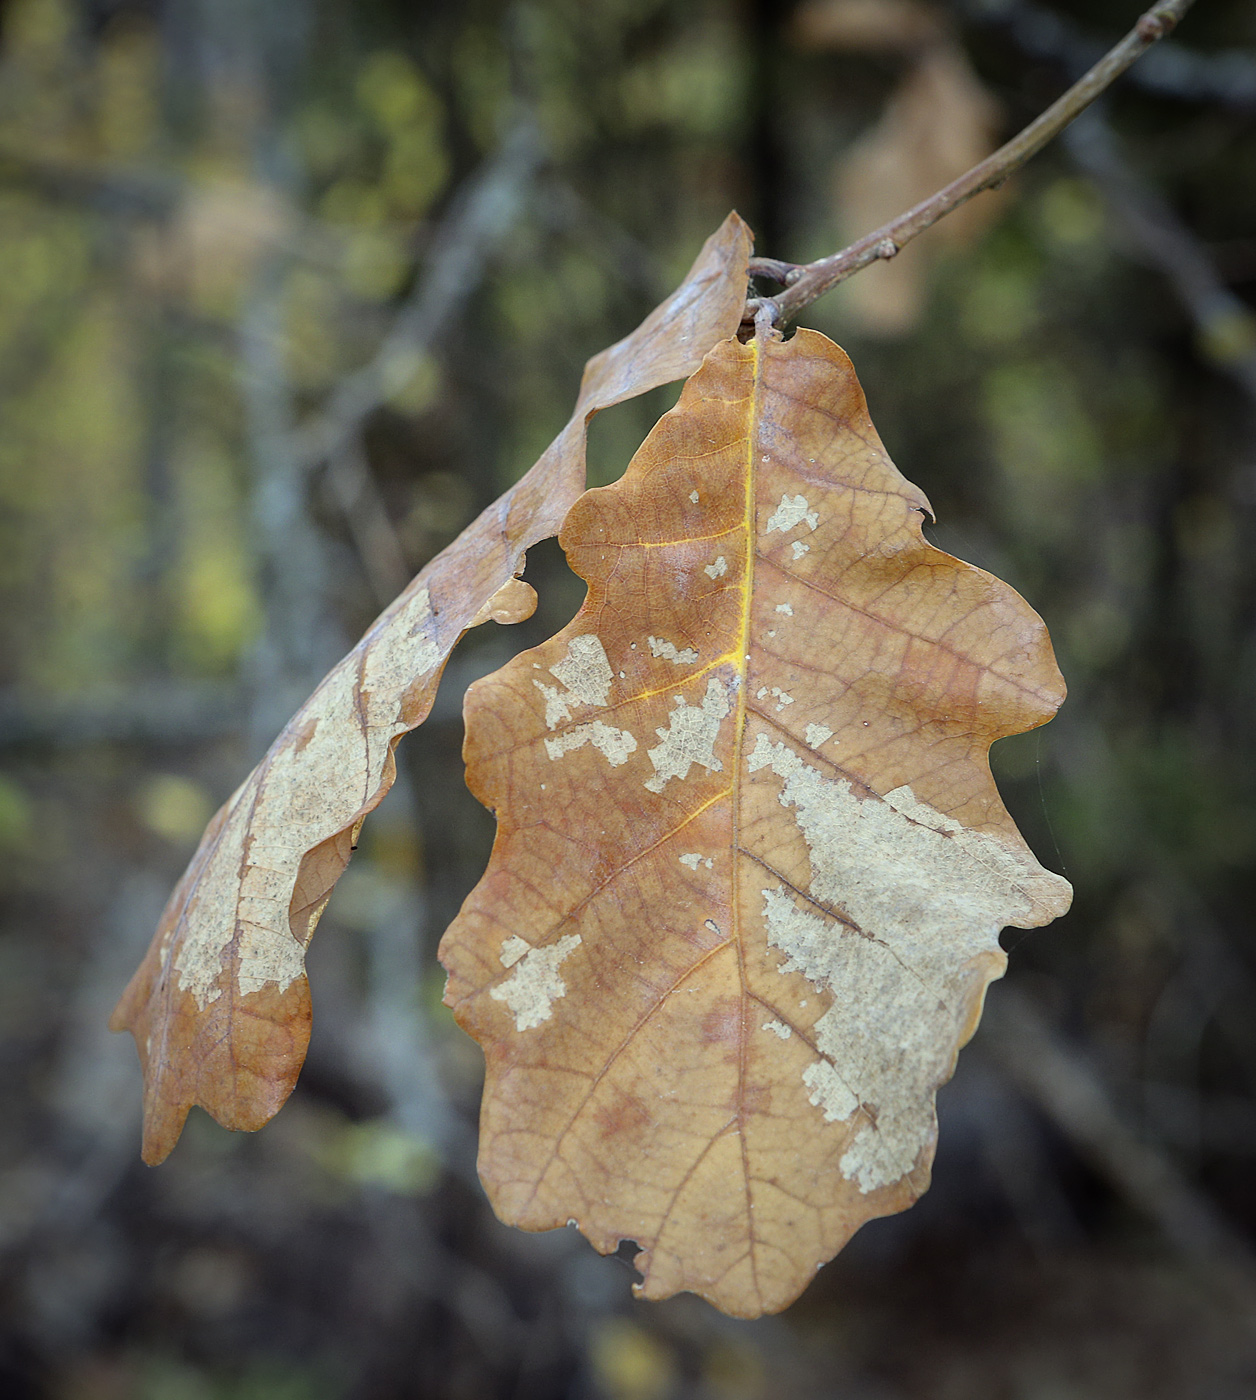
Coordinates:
938 123
867 24
751 865
220 1006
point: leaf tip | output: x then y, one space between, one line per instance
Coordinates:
163 1126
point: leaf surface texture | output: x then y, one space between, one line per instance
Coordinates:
751 865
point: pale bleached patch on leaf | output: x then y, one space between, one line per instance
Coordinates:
534 985
690 737
926 898
199 966
817 734
615 745
585 675
778 1029
413 655
585 672
793 510
514 948
718 569
343 740
799 549
666 651
828 1092
267 955
785 608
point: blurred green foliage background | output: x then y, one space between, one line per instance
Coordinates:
262 354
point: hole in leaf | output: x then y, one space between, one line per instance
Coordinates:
617 432
559 593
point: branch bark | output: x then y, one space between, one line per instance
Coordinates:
1224 77
1226 328
1073 1097
806 282
1070 1094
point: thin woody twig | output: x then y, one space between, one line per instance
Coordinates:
1058 1079
1226 77
1226 328
778 271
812 280
566 211
379 550
156 711
298 639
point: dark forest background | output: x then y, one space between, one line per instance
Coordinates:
288 292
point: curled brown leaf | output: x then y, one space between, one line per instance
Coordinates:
220 1007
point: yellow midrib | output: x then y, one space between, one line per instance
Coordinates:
747 585
743 665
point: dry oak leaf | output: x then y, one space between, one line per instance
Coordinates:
751 865
220 1006
867 24
938 123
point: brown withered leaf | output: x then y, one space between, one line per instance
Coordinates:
938 123
867 24
751 865
220 1006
